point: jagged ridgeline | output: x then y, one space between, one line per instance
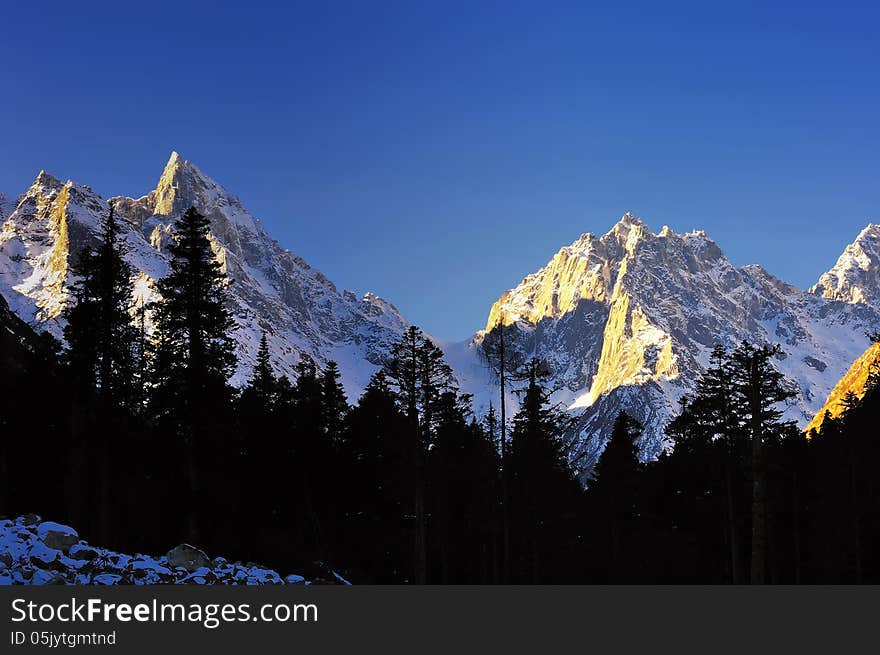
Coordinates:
272 289
627 321
624 321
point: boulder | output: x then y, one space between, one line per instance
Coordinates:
83 552
28 519
188 557
55 535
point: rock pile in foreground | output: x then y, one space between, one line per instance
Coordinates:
37 552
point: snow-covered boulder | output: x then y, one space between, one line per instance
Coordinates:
187 557
58 536
37 552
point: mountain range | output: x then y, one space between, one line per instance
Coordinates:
624 320
627 320
272 290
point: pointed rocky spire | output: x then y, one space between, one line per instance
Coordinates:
178 187
855 278
46 180
627 222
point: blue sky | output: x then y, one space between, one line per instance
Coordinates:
436 153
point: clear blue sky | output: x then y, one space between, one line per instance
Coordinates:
435 153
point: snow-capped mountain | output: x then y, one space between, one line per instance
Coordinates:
626 321
854 278
272 289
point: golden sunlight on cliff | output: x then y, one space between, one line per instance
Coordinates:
166 189
53 297
633 350
854 381
571 276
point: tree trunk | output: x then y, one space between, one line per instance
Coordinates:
105 485
192 471
796 528
854 511
731 522
505 497
759 519
420 554
613 536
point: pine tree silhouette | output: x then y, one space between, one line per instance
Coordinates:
418 374
759 392
616 477
543 487
193 354
101 350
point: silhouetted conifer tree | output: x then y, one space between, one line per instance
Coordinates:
101 346
759 391
193 354
378 497
616 478
544 492
418 374
333 402
505 362
711 427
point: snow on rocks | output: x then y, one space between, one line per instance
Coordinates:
188 557
37 552
55 535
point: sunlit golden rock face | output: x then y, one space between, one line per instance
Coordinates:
853 382
633 350
219 253
604 272
53 300
575 273
38 236
585 270
167 189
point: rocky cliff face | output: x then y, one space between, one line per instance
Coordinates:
626 322
853 381
272 289
854 278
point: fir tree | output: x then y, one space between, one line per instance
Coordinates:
193 353
256 442
263 384
505 362
543 488
710 426
759 390
378 497
333 402
100 334
616 479
101 349
417 373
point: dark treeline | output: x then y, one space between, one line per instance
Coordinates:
141 442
